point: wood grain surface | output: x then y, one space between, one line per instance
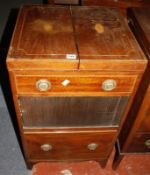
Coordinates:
94 84
84 46
69 146
98 37
136 129
117 3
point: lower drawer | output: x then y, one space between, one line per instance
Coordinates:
69 146
140 143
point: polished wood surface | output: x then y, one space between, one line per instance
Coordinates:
138 144
72 2
99 41
117 3
145 124
101 65
76 87
67 146
142 104
88 84
102 36
102 33
64 2
109 3
136 130
43 33
138 117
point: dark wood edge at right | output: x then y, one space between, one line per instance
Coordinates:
134 117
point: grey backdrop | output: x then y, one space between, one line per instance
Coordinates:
11 159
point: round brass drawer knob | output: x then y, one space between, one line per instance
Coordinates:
46 147
109 85
43 85
92 146
147 143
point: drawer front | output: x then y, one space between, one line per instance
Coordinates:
140 143
52 85
69 146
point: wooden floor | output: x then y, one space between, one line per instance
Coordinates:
130 165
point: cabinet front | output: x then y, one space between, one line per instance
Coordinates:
80 99
73 79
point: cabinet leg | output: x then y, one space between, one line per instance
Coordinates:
117 159
29 165
103 163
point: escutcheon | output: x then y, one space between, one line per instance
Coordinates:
43 85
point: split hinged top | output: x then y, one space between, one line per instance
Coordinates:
73 38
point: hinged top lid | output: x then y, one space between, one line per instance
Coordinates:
54 37
44 37
140 21
104 39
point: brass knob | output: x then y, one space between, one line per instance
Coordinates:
109 85
92 146
147 143
46 147
43 85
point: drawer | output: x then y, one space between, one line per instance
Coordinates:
60 84
140 143
69 146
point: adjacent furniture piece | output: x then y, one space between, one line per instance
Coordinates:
118 3
74 72
121 4
109 3
64 2
135 134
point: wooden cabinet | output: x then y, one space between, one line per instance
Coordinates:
64 2
141 136
118 3
135 134
114 3
73 72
